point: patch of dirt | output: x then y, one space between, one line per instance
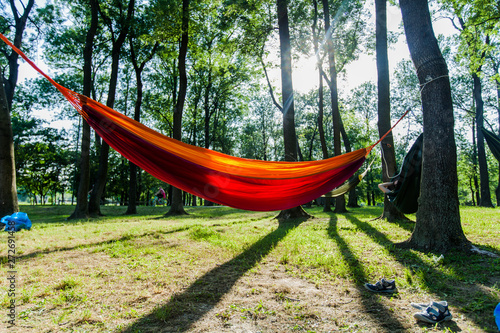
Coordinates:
271 299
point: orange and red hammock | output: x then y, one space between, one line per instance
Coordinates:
223 179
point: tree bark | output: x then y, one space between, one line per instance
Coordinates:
327 206
289 135
484 178
340 200
102 173
475 190
138 69
438 225
20 25
497 190
177 207
81 208
391 213
8 190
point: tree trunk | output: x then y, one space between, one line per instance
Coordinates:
473 198
391 213
177 207
476 191
207 117
327 206
438 225
497 190
132 190
321 104
481 152
290 138
81 208
340 200
8 191
102 173
20 25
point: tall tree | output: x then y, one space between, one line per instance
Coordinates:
484 199
138 50
123 22
438 225
177 207
8 191
484 178
289 135
477 23
345 29
340 200
384 105
495 63
321 129
81 208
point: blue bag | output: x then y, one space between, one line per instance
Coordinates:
16 222
496 313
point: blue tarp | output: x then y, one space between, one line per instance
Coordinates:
497 315
16 222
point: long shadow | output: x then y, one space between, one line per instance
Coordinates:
4 259
184 309
407 225
389 322
434 280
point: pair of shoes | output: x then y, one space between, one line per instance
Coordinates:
382 286
433 312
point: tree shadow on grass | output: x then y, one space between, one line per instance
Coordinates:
4 259
389 323
27 256
186 308
437 282
407 225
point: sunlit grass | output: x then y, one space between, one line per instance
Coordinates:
106 273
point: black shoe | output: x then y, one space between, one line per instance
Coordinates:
382 286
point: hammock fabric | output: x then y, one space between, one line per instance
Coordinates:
405 195
349 185
223 179
493 142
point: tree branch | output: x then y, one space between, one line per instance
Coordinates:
271 91
14 10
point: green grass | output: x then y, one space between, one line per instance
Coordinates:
146 272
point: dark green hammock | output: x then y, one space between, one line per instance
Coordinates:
405 194
493 142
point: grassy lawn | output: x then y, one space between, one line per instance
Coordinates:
225 270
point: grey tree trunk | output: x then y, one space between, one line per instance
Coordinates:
438 226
